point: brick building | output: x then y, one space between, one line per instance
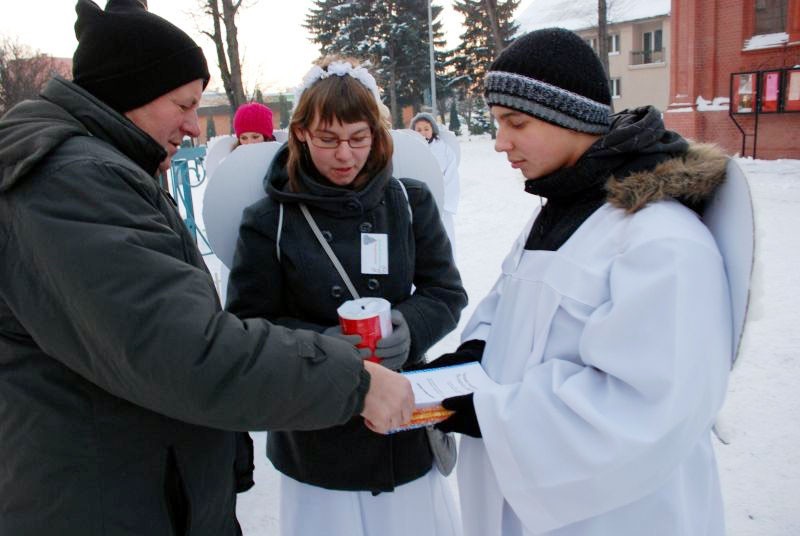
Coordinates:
712 41
638 43
214 107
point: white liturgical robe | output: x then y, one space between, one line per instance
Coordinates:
612 357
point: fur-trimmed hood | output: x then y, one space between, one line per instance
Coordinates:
691 179
638 162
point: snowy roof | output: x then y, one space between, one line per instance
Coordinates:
213 98
581 14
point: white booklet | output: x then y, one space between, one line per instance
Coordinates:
431 386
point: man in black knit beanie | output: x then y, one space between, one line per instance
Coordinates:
121 379
608 330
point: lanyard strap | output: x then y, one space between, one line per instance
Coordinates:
324 243
331 255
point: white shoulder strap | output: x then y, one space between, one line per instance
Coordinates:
280 230
405 193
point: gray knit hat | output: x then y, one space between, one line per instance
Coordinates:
425 116
552 74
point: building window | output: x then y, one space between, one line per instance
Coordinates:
613 43
616 87
653 41
592 42
770 16
652 49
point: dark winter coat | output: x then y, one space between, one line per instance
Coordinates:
118 370
303 288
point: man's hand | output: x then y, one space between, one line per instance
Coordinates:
389 401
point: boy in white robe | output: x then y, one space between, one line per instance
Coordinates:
608 331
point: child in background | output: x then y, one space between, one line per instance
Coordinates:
425 124
253 124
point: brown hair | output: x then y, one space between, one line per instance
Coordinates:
348 100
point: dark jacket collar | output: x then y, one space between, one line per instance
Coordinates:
33 128
638 162
321 194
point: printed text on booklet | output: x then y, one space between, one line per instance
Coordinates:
431 386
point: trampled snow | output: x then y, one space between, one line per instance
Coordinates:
760 467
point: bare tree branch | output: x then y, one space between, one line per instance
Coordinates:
23 73
226 42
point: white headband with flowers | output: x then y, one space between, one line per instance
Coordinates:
338 68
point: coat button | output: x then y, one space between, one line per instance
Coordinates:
373 284
352 205
366 227
337 291
328 236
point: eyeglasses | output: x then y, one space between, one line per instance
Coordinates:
359 141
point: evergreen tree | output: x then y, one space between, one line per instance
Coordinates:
211 128
342 27
258 96
283 110
489 27
386 34
455 123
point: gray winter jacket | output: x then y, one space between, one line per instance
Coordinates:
118 370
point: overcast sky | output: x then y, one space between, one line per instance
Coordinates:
275 47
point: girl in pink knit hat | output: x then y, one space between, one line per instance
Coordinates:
253 124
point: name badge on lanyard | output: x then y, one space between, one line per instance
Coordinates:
374 253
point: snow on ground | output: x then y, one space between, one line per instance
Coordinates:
760 467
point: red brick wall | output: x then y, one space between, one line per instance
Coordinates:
708 37
777 134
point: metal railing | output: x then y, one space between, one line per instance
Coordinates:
643 57
188 171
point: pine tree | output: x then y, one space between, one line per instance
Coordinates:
283 110
211 128
342 27
455 124
389 36
489 28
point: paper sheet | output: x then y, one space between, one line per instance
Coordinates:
431 386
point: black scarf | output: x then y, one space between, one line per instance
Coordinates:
638 141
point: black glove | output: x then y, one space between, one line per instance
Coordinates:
336 331
464 420
468 352
393 350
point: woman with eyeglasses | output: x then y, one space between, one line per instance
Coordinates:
335 174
